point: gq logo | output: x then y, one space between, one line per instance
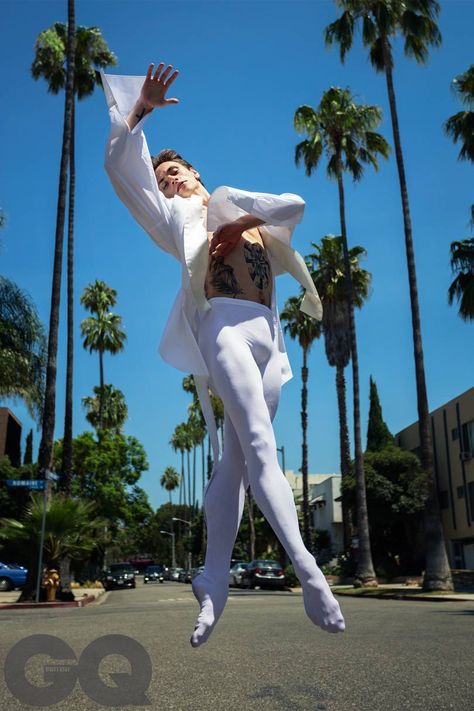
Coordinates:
129 688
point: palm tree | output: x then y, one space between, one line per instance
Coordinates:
462 288
115 411
170 480
460 127
381 21
327 270
305 330
178 443
71 530
345 130
102 332
22 349
47 435
89 50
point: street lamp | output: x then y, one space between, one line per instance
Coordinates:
188 523
282 450
173 555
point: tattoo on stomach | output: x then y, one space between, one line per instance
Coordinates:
223 277
258 264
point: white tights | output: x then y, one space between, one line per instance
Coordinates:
238 341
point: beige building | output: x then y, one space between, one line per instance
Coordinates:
452 428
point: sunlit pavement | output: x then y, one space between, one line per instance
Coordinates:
264 653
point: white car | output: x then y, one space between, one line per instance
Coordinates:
235 574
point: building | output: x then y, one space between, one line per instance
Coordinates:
452 428
10 436
326 512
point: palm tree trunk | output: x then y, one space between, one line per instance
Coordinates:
183 478
437 574
194 480
365 574
304 463
67 442
101 396
47 435
248 497
344 449
189 476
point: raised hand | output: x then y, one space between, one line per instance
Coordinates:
156 85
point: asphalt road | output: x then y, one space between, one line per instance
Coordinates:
264 653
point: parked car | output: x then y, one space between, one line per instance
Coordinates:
235 574
264 573
197 571
153 574
174 574
119 575
185 576
12 576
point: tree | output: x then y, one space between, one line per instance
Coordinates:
115 411
462 288
170 480
345 130
378 434
381 21
72 528
460 127
87 51
101 332
305 330
22 349
326 265
49 416
28 458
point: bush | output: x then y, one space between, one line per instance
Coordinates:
291 580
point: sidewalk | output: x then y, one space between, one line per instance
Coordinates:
82 596
395 591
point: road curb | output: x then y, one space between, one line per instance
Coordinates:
80 602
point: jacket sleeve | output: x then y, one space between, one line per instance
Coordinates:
129 166
280 213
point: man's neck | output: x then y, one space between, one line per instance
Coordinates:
202 192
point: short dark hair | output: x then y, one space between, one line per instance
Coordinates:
168 154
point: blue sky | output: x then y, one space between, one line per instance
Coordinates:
245 68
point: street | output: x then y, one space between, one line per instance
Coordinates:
265 652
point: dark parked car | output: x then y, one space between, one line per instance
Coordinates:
12 576
185 576
264 573
119 575
153 574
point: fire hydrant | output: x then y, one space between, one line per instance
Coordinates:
51 583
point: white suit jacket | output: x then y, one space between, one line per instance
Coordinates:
178 226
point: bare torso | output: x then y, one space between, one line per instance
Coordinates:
245 273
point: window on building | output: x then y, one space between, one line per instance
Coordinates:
454 434
470 492
467 439
460 490
444 499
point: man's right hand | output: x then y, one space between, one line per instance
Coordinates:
156 85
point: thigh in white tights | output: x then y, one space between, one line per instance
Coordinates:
238 341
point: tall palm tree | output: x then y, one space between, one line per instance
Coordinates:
115 411
90 51
178 444
102 332
170 480
305 330
46 445
22 349
382 21
346 131
326 265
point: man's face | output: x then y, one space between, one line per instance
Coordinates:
175 179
